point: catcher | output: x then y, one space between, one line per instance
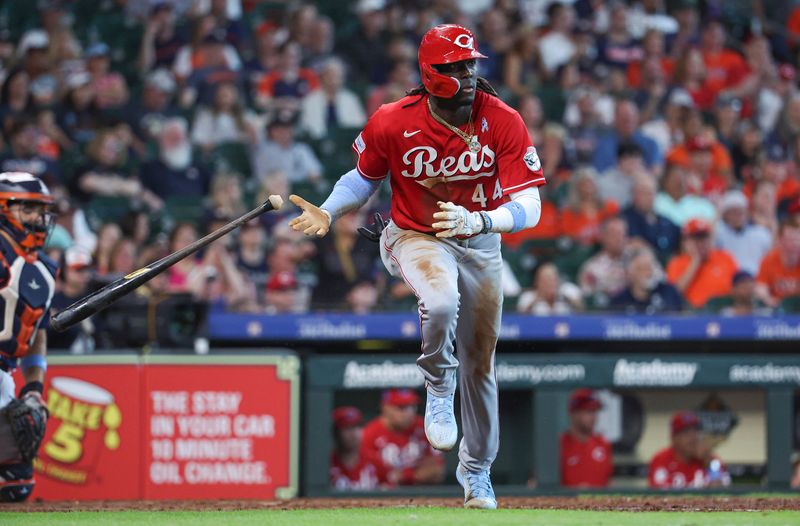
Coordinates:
27 284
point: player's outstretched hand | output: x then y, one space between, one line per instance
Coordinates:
313 221
456 221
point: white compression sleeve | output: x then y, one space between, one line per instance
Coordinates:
524 211
351 191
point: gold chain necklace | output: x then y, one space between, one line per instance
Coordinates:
468 138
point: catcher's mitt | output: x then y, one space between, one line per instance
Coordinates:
27 418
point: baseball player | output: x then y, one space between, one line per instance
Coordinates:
350 468
462 170
396 438
27 284
586 460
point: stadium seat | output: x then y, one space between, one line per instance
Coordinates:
717 303
790 304
569 263
104 209
335 152
231 157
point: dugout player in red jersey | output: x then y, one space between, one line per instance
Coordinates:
27 285
397 439
350 468
586 460
685 464
462 170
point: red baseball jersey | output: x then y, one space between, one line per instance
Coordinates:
585 464
427 162
367 474
668 471
397 450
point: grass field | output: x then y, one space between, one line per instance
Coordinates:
402 516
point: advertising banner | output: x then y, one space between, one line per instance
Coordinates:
126 428
217 432
92 448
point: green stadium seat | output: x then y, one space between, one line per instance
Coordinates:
104 209
184 209
231 157
790 304
717 303
335 152
569 263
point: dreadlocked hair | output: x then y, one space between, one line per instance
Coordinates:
420 91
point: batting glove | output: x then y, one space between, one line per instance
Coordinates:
457 221
314 221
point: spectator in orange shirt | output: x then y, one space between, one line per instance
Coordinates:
708 161
773 166
684 464
702 271
793 29
725 69
584 210
288 83
586 460
779 275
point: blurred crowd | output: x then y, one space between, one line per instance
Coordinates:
669 132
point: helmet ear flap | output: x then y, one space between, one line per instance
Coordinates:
438 84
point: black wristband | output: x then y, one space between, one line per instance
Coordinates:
32 386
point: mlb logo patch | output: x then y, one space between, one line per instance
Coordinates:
532 159
359 144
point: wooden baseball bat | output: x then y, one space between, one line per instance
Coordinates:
104 297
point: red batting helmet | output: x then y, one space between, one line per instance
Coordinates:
445 44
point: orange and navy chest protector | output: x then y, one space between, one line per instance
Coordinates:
27 285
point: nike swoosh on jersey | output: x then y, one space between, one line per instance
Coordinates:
408 134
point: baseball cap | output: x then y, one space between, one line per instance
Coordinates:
77 257
683 420
98 49
78 79
33 39
732 199
698 143
162 80
728 100
680 97
787 72
776 152
584 399
367 6
283 280
400 397
741 275
346 416
697 227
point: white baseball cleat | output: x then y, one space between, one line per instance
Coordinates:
478 492
440 422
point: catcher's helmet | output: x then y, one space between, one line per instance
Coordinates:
445 44
22 187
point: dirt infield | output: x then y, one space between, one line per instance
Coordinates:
603 503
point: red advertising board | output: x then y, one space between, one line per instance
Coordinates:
216 432
170 428
93 447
